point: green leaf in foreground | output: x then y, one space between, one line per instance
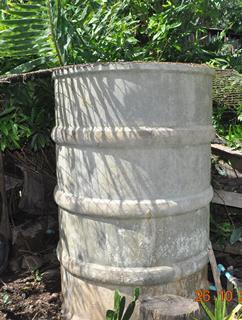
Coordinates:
235 236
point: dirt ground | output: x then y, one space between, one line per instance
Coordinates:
30 287
29 296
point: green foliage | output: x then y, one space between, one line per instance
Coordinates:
221 231
47 33
220 311
38 276
6 298
234 136
106 30
29 33
119 312
56 32
177 32
228 124
13 128
28 116
235 235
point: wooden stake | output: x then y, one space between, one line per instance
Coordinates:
214 268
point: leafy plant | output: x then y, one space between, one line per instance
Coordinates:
234 136
221 230
13 128
6 298
119 312
235 235
29 31
46 33
228 124
220 311
38 276
28 116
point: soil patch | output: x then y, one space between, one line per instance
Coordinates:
31 296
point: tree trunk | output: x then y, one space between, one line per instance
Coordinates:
168 307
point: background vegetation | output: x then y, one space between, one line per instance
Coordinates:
48 33
28 117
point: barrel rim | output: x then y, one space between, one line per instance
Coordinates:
169 67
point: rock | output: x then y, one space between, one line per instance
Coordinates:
53 297
29 236
3 316
51 275
168 307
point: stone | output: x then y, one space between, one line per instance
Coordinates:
29 236
51 275
53 297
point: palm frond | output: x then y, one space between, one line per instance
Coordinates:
27 32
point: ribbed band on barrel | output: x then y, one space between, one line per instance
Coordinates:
124 136
169 67
146 276
125 209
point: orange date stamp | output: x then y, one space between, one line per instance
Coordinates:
206 296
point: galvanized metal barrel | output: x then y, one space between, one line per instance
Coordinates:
133 169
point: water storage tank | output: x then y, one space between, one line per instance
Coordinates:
133 169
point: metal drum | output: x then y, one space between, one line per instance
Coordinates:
133 169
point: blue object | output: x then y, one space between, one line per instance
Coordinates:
212 288
228 275
50 231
